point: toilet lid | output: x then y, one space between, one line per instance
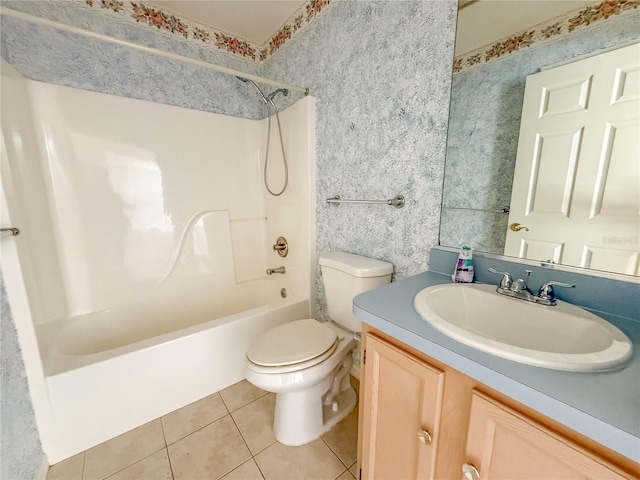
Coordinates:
291 343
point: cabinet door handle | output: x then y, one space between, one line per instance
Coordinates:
470 472
424 436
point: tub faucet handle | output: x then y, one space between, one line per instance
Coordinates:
281 246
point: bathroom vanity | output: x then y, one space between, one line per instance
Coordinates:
431 407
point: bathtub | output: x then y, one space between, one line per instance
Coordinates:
96 394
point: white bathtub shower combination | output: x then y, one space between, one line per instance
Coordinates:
146 232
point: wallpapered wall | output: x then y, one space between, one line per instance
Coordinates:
381 72
21 452
484 125
49 55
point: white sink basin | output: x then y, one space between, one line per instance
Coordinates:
562 337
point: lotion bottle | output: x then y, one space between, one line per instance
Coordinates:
464 266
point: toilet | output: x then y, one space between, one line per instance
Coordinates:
306 363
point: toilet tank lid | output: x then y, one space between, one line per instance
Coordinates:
355 265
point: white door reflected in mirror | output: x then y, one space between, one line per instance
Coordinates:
577 177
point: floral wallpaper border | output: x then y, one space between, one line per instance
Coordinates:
558 26
167 21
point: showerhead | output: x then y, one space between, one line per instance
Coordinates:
273 94
246 80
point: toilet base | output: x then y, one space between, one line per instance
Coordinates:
297 421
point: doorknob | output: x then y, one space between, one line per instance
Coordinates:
424 436
470 472
516 227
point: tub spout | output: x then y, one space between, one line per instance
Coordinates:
271 271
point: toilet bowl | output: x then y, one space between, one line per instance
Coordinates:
306 363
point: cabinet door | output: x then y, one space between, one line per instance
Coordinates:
503 444
402 403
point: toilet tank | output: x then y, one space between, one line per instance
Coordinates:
345 275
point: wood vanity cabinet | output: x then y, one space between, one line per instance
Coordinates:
420 419
502 443
403 417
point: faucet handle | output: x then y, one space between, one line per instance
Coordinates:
546 291
506 278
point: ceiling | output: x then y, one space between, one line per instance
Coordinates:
480 22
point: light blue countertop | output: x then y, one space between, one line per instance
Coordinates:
604 406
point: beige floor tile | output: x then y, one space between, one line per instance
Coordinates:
240 394
69 469
154 467
193 417
346 476
313 461
118 453
255 422
247 471
210 452
354 469
343 438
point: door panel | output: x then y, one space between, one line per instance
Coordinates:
577 178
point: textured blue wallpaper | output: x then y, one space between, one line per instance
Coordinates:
381 72
49 55
21 452
484 125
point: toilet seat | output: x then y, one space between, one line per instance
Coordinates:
293 346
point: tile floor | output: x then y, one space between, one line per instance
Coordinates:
227 435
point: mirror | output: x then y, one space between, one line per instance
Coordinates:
492 60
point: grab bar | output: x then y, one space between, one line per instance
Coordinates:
503 210
397 201
14 231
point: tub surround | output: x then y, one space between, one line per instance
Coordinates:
602 406
177 280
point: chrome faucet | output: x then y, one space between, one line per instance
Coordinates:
518 289
271 271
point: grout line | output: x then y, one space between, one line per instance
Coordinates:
342 473
334 453
271 444
241 435
197 430
164 435
242 406
166 447
84 463
170 464
236 468
132 464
